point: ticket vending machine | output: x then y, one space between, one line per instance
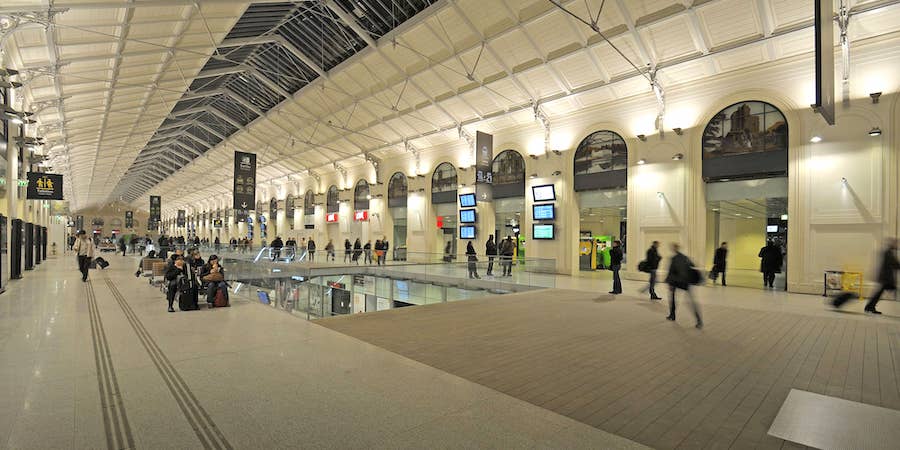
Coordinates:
44 242
28 233
37 244
15 248
4 252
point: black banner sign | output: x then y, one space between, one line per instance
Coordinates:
79 222
484 161
44 186
244 180
180 221
155 210
129 219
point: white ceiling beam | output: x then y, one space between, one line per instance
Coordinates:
133 5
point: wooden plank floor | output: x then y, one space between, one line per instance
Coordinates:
619 366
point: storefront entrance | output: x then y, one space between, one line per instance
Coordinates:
602 220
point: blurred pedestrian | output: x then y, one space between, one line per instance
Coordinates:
682 275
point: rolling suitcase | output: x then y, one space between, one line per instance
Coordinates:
842 298
100 262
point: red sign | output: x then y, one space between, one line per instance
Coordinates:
361 216
331 217
440 221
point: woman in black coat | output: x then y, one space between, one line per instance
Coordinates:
473 259
887 275
357 250
681 275
771 261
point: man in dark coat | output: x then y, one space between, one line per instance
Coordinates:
887 275
719 261
651 265
681 275
490 249
615 264
770 263
277 244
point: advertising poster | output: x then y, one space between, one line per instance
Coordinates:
244 180
129 219
484 158
180 221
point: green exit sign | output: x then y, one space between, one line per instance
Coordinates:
23 183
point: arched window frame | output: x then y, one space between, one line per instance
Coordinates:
508 180
609 170
443 190
739 143
361 193
332 199
398 190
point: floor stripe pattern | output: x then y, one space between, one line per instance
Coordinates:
115 420
207 432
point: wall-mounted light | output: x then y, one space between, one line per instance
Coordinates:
557 152
557 173
642 161
461 185
844 181
875 132
533 156
464 168
642 137
678 131
875 96
815 139
678 157
420 190
532 176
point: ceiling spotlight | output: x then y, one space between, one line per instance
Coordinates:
875 96
678 157
815 139
678 131
875 132
557 173
642 161
533 176
642 137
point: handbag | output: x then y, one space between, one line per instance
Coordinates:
642 266
213 277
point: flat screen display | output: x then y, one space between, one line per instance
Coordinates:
467 216
467 200
467 232
542 231
543 212
771 228
543 193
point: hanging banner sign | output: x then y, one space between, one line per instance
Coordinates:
240 215
361 216
244 180
331 217
180 221
79 222
155 209
484 161
44 186
129 219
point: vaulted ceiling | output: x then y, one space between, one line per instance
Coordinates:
139 97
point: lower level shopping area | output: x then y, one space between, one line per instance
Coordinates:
103 364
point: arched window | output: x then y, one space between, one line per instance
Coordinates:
332 200
309 203
289 207
259 207
273 207
746 139
398 190
361 195
601 162
508 171
444 183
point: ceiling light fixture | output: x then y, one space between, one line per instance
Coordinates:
875 96
875 132
678 131
642 137
533 176
815 139
678 157
557 173
642 161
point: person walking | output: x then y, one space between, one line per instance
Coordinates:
347 247
84 251
385 246
719 262
490 249
311 248
123 245
472 259
217 244
507 250
329 250
615 264
681 276
651 265
887 275
367 252
379 252
357 251
771 260
277 245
